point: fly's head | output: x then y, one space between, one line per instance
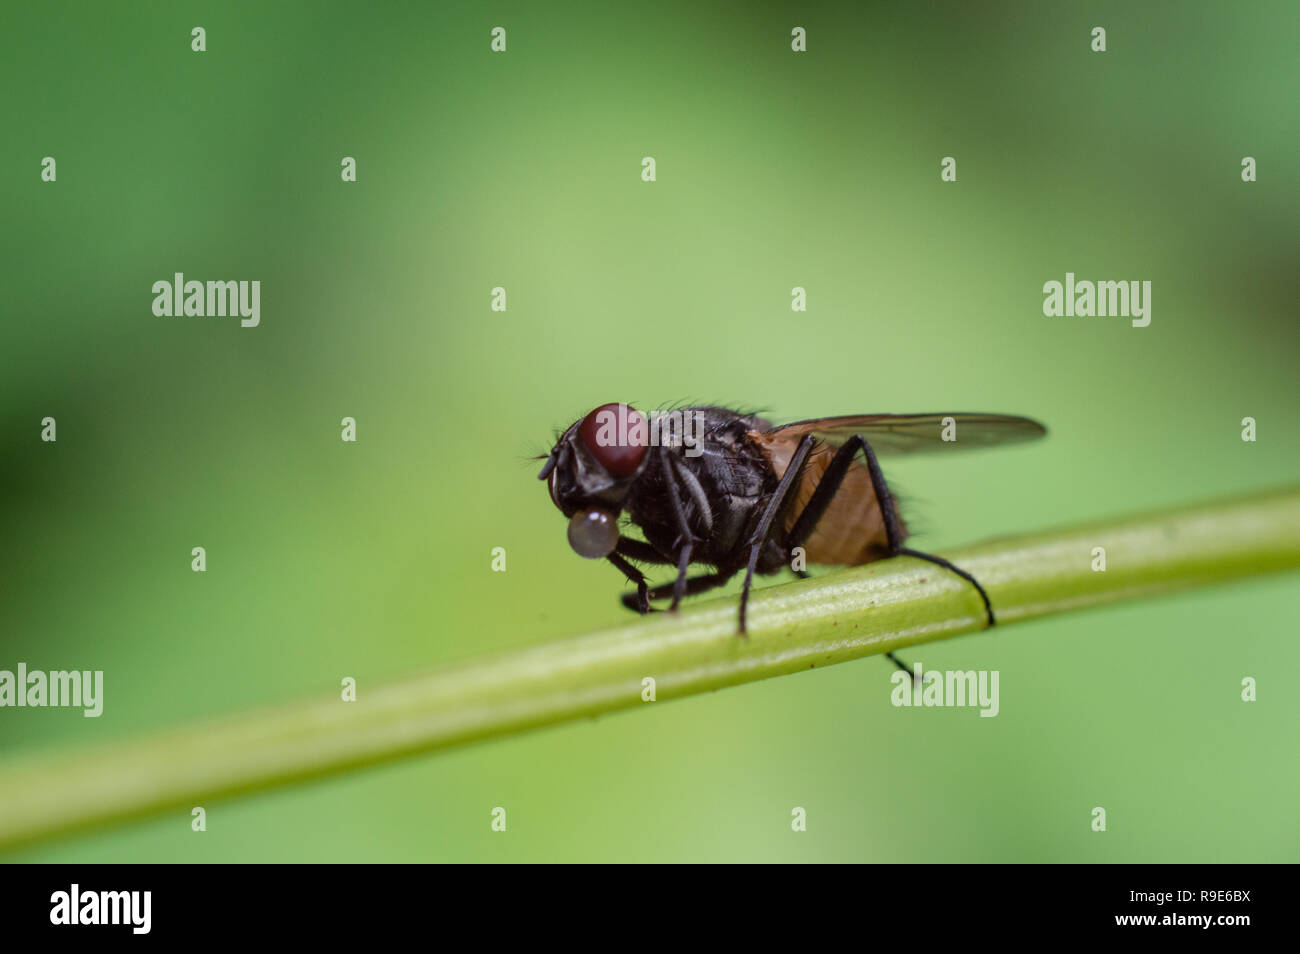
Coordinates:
590 471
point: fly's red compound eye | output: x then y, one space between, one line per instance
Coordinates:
617 436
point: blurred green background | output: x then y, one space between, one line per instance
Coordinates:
522 170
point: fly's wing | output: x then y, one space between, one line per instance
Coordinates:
852 530
913 433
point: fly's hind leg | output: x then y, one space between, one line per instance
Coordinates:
829 485
940 561
894 534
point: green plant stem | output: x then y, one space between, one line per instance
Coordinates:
816 622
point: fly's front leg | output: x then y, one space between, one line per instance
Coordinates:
685 540
637 577
640 551
645 553
694 585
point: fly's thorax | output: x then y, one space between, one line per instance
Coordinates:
722 491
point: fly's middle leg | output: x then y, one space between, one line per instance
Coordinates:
777 506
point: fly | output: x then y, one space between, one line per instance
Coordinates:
729 491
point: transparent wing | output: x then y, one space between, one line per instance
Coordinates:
912 433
